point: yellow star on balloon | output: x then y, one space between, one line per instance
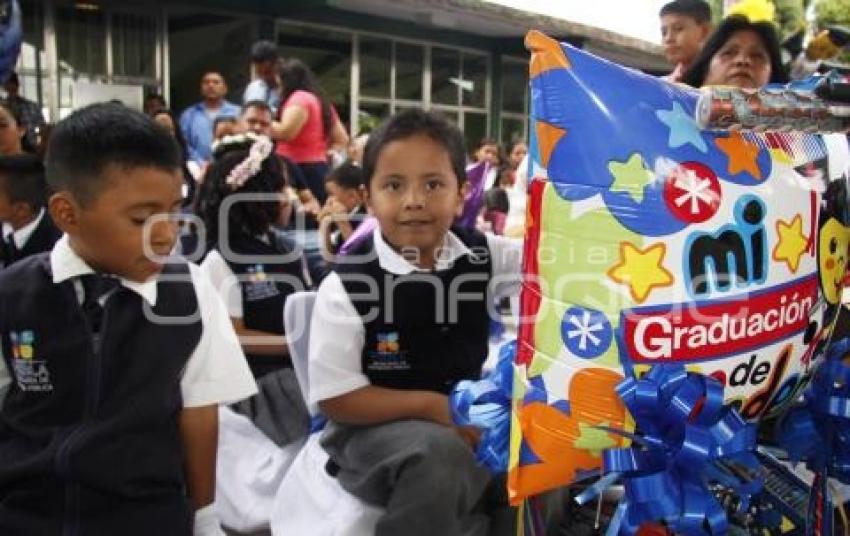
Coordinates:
792 243
641 269
630 176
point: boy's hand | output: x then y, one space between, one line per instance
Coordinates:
437 408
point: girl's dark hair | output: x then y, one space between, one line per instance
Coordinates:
244 217
725 30
413 122
294 76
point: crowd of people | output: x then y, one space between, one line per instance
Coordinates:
110 418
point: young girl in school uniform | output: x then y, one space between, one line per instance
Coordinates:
254 269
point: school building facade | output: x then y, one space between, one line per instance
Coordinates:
372 57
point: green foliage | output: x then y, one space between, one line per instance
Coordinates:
789 17
832 11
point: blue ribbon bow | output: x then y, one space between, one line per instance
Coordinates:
818 432
486 404
688 440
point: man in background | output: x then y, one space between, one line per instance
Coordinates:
196 122
266 84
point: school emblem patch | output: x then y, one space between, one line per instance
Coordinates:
31 373
387 354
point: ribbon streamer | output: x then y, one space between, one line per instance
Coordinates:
818 432
688 440
486 404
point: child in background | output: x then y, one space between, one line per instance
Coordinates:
224 125
384 353
496 203
344 209
685 25
117 356
27 227
488 150
255 269
516 150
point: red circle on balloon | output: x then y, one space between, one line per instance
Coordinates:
692 192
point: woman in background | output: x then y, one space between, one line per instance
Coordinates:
307 125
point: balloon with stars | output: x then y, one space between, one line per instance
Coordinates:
650 240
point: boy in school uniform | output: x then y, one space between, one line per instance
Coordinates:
116 360
27 227
685 25
399 322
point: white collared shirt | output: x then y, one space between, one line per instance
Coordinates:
337 334
216 372
22 235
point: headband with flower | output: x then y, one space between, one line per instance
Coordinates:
754 10
261 148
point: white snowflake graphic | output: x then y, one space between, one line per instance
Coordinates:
695 190
585 330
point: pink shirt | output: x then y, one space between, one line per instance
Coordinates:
310 144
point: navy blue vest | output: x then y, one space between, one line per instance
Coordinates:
424 330
89 440
265 287
42 239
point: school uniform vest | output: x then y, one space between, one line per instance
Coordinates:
265 287
89 438
424 330
42 239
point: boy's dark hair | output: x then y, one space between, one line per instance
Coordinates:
83 144
251 217
731 25
223 119
263 51
258 104
346 176
415 122
699 10
22 179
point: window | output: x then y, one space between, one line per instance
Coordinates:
459 88
409 61
133 46
375 67
328 54
31 66
514 100
445 76
81 40
390 78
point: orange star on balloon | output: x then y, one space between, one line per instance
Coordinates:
742 154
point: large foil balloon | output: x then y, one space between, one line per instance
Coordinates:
651 241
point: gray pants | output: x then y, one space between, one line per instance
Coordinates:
278 409
423 474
